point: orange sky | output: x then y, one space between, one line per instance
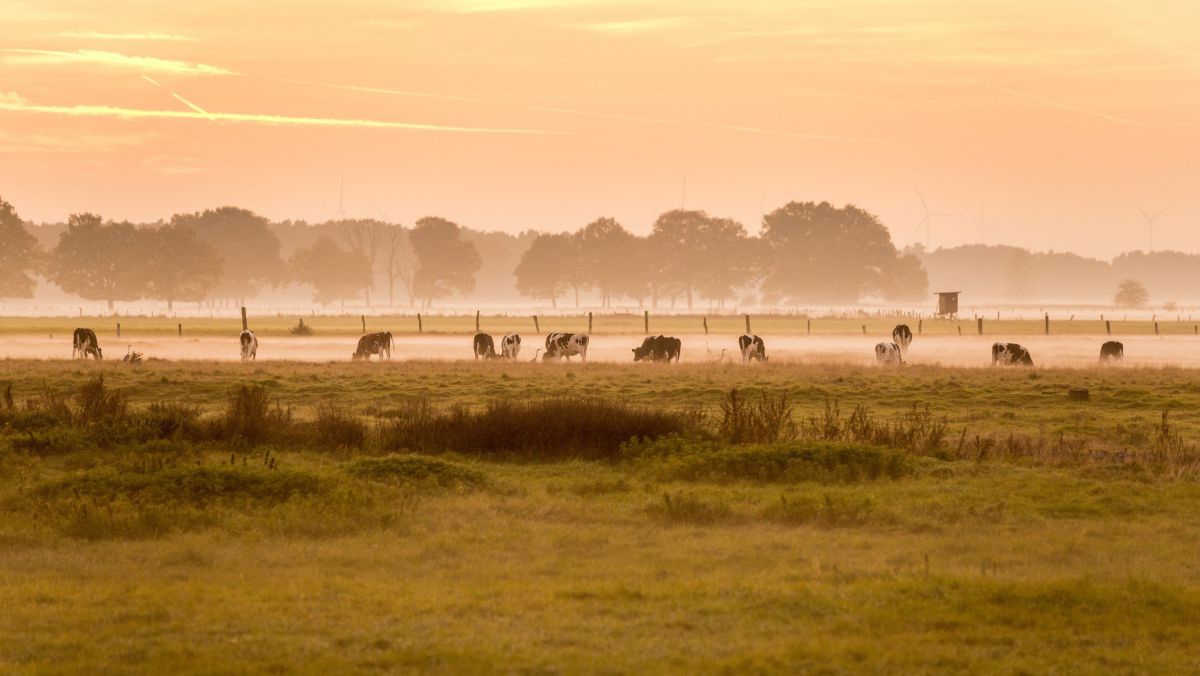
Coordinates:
1050 117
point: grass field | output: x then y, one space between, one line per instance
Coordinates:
395 517
628 324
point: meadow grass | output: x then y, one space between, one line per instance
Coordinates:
158 532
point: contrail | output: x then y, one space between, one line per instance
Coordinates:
250 118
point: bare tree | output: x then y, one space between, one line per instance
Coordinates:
366 238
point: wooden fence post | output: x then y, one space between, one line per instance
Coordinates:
748 325
864 327
245 324
420 327
920 324
589 322
980 327
477 321
706 326
181 330
960 329
536 327
1108 327
1047 323
118 329
364 323
1156 328
810 327
646 321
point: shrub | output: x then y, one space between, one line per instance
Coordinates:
190 485
335 428
251 418
97 405
827 510
689 508
301 329
824 462
165 421
415 469
765 420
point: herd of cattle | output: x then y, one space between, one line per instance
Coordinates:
654 348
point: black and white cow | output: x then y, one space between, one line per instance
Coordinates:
1112 351
752 347
84 343
510 346
902 337
1010 354
888 354
249 343
659 348
559 345
484 346
374 344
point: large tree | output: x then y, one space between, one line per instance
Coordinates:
548 268
248 249
446 263
99 261
178 264
365 237
824 254
607 252
1131 294
697 254
20 255
399 265
334 274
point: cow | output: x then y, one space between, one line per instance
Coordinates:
84 343
484 346
1112 351
1010 354
902 337
374 344
752 348
559 345
510 346
249 343
660 348
888 354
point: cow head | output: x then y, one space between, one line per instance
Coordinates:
640 353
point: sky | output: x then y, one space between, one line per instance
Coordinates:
1051 124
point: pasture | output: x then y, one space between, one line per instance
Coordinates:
462 516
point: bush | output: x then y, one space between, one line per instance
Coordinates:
335 428
251 419
765 420
544 429
97 405
406 469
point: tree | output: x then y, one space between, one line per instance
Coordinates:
818 252
398 263
446 263
98 261
248 249
905 280
699 254
333 273
20 255
1131 293
606 252
729 259
548 267
177 264
366 238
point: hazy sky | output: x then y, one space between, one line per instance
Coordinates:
1051 117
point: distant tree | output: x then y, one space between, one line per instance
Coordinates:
334 274
820 253
548 267
247 247
729 260
906 280
20 255
99 261
177 265
399 264
606 252
1131 293
366 238
698 254
446 263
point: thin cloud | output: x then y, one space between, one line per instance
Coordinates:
95 57
1068 106
250 118
635 26
133 37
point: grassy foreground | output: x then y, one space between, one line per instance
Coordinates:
930 519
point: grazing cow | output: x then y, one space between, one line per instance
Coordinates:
249 343
484 346
84 343
902 337
660 348
888 354
752 348
1112 351
374 343
559 345
510 346
1010 354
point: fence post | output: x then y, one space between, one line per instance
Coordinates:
864 327
118 329
920 324
245 324
420 327
536 327
181 330
364 322
1047 323
980 327
960 329
1108 327
748 324
477 321
706 326
1156 328
589 322
646 321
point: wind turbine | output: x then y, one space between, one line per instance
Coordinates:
1150 219
927 220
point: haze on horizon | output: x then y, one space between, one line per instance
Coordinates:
1051 119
